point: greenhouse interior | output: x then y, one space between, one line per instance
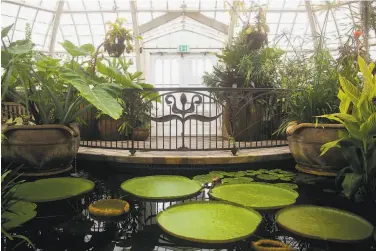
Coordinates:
171 125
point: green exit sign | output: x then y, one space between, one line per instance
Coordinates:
183 48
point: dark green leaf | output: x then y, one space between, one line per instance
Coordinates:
5 31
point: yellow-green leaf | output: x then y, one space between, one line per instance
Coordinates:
368 128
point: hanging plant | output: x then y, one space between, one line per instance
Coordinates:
118 39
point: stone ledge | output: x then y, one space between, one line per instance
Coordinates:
185 157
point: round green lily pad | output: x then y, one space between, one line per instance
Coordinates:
256 195
267 177
19 213
161 187
324 223
209 222
53 189
287 185
206 178
286 178
237 180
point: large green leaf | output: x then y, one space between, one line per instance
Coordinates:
75 51
350 90
324 223
5 31
95 94
351 184
53 189
19 212
368 128
161 187
256 195
20 49
209 222
327 146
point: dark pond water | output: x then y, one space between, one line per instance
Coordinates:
66 225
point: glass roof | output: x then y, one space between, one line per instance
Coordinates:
84 21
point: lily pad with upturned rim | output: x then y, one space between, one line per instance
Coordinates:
53 189
209 222
324 223
267 177
20 212
161 187
256 195
206 178
287 185
237 180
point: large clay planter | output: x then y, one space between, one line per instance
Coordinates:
40 147
247 123
305 141
140 134
108 129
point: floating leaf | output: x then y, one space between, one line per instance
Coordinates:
286 178
287 185
324 223
252 173
209 222
267 177
307 178
161 187
53 189
256 195
19 213
237 180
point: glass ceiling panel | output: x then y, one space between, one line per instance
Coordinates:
84 21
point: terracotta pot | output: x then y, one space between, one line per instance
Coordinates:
140 134
108 129
40 147
247 123
305 141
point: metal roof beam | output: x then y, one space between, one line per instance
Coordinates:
156 22
136 34
55 26
212 23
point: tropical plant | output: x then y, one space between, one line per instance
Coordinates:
9 181
135 102
311 88
118 38
357 112
53 91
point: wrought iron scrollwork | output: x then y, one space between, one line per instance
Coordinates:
184 114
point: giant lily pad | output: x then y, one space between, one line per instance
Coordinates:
53 189
324 223
209 222
161 187
19 213
237 180
256 195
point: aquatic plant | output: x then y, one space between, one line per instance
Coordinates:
108 207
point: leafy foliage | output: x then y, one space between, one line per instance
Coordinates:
9 201
358 115
52 90
311 85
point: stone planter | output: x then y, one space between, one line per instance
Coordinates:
305 141
140 134
41 147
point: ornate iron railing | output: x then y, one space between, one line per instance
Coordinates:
181 119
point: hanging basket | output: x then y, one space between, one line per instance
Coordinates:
270 245
115 49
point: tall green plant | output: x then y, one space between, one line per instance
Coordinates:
51 90
357 112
